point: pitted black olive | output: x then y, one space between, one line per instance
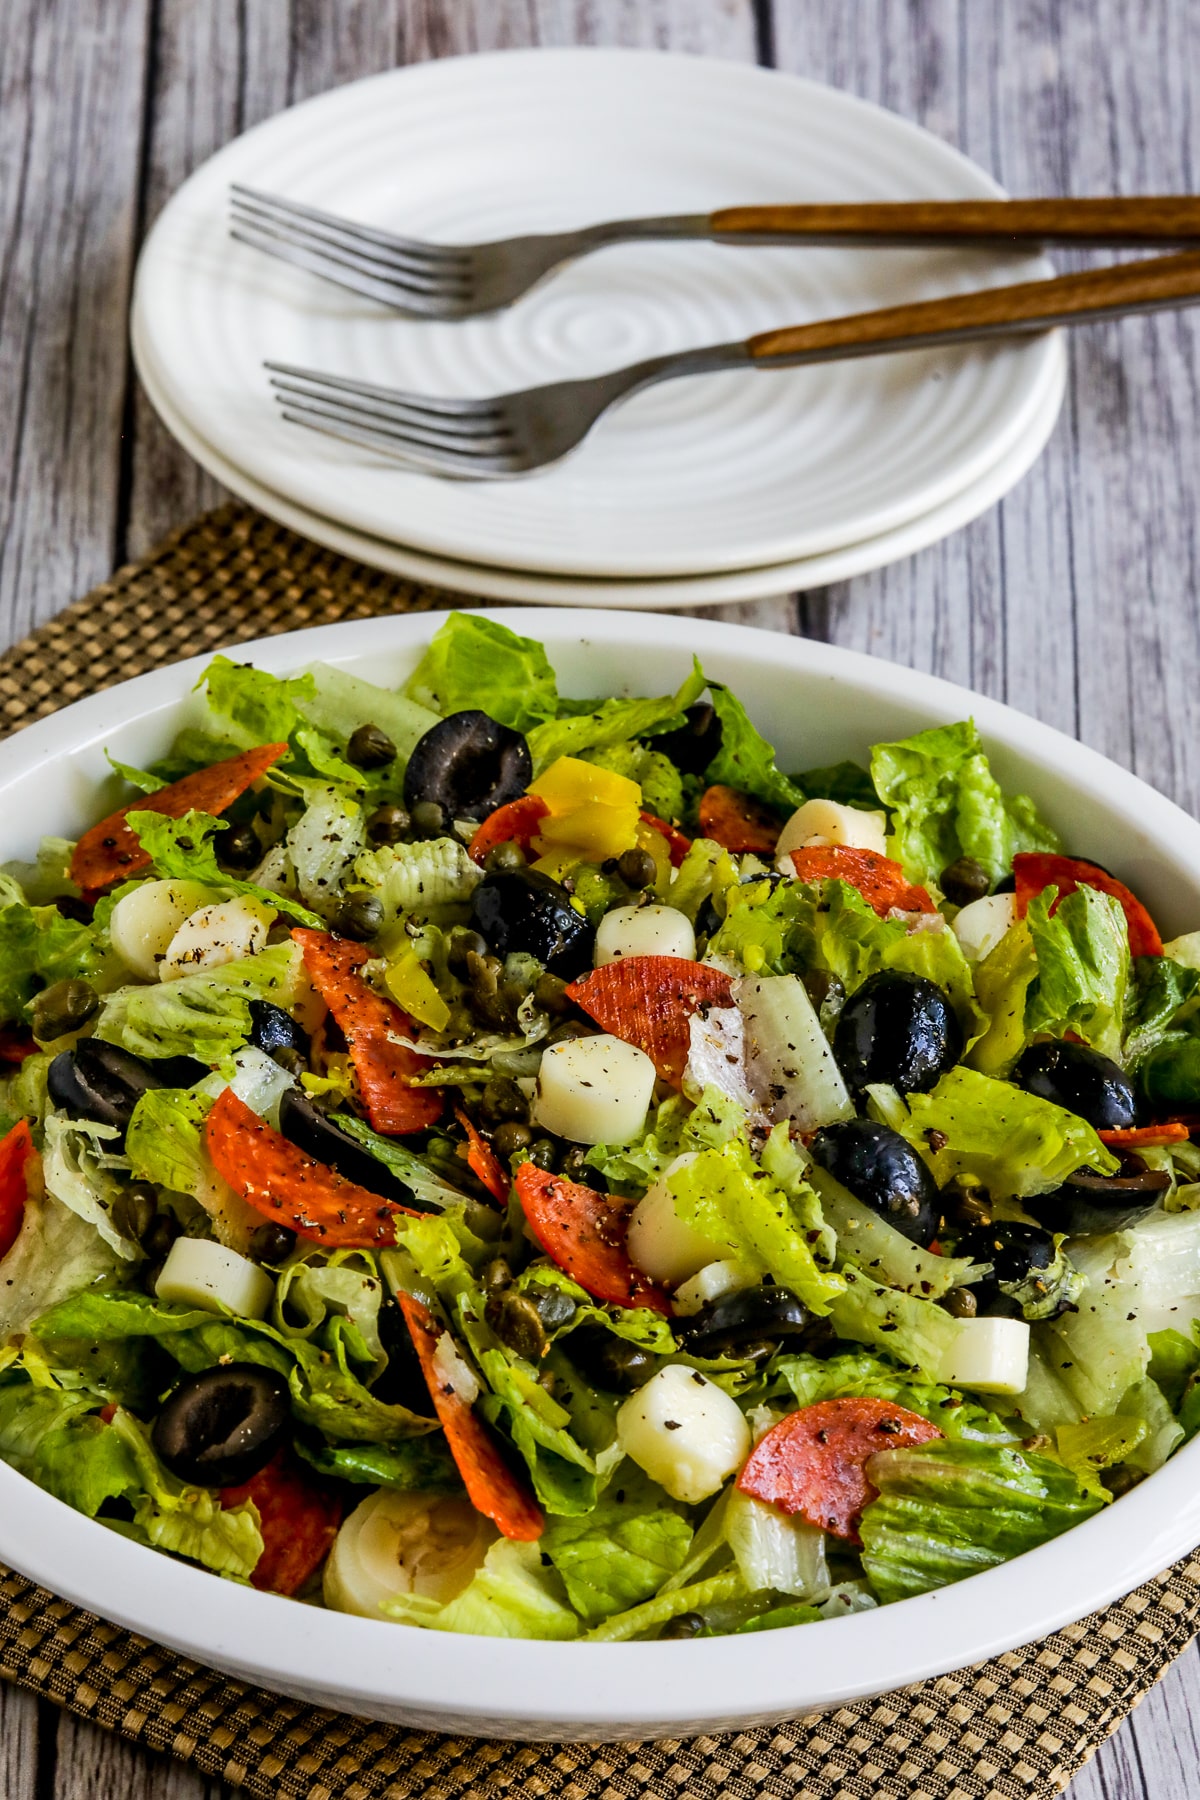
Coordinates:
469 764
403 1382
899 1029
741 1321
222 1426
877 1166
1081 1080
609 1361
272 1029
98 1081
692 747
179 1071
526 910
1018 1254
319 1135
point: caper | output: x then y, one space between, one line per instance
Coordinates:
239 848
462 942
637 868
519 1326
544 1153
490 998
823 989
503 1099
575 1167
134 1210
292 1061
964 1202
611 1362
511 1137
361 916
66 1006
550 993
683 1625
370 748
503 857
388 825
964 881
429 819
554 1308
272 1243
161 1234
960 1303
497 1276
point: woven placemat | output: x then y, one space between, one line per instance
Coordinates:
1016 1727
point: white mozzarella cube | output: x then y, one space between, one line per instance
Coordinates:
715 1279
990 1356
145 920
658 1241
829 822
594 1090
200 1273
684 1432
223 932
980 926
644 931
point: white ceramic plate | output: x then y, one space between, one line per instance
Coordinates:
819 703
479 580
717 472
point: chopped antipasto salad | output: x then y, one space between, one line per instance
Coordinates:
528 1165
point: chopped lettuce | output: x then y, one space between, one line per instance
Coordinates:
323 844
846 782
80 1164
1002 983
673 1128
55 1437
515 1594
412 1465
346 1285
620 1554
418 878
612 722
56 1254
252 706
1012 1142
427 1187
1158 989
811 1378
746 760
1092 1445
1082 956
207 1015
40 945
341 702
914 1331
474 662
947 1510
946 803
189 1521
182 849
651 1615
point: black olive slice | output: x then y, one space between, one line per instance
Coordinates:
403 1381
100 1082
1082 1081
220 1427
319 1135
882 1169
1118 1189
609 1361
522 909
468 764
273 1029
743 1320
899 1029
693 746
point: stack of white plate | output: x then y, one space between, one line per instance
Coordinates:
717 487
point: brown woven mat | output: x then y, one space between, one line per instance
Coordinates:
1016 1727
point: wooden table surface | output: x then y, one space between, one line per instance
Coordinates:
1074 599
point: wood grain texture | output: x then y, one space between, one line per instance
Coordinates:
1073 600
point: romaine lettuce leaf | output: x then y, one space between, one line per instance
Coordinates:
45 879
182 849
475 662
947 1510
1091 1445
745 760
1002 983
914 1331
1012 1142
673 1128
319 1285
812 1378
207 1015
1157 991
80 1166
341 702
946 803
252 706
612 722
421 877
322 845
513 1595
55 1437
425 1184
412 1465
1083 967
846 782
621 1553
697 1596
39 946
189 1521
56 1253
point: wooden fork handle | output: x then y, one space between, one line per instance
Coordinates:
1152 219
1029 306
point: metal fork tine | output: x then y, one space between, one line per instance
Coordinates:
408 450
384 240
358 253
437 404
387 292
422 281
418 431
457 428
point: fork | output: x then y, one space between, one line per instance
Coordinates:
456 281
512 434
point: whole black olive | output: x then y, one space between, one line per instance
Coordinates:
877 1166
526 910
964 881
735 1322
692 747
179 1071
98 1081
609 1361
403 1382
469 764
898 1029
66 1006
239 847
222 1426
370 747
319 1135
1017 1252
1087 1203
1081 1080
272 1029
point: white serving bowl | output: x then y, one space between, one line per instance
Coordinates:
818 704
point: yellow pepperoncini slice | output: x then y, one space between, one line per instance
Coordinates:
410 986
593 813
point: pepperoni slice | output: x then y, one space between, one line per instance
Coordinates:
1034 870
649 1001
584 1233
375 1030
111 851
299 1520
516 822
1145 1137
879 880
483 1161
290 1188
16 1147
737 822
492 1487
814 1462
